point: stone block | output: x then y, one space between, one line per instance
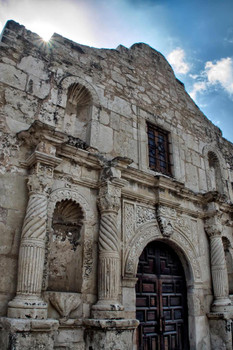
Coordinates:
37 87
33 66
12 76
105 139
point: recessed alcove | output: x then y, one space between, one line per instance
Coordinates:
229 262
65 253
78 110
214 174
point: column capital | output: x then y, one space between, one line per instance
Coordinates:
110 194
213 225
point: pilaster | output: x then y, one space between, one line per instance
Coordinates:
213 227
109 201
28 302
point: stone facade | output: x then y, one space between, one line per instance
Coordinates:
80 201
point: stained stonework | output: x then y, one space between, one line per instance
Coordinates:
80 200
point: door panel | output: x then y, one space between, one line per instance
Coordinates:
161 305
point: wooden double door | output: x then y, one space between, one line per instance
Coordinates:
161 302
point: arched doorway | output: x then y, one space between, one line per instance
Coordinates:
161 300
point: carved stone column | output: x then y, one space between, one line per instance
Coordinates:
109 269
221 301
28 302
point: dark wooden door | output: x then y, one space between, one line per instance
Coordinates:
161 303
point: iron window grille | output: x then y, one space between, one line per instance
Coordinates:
158 144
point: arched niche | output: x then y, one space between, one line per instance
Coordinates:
215 169
80 215
65 249
229 262
80 102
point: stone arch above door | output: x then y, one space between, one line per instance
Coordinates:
149 232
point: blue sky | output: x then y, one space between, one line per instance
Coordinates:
195 36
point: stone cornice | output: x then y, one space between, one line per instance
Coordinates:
44 158
39 131
80 156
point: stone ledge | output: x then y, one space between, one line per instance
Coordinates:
220 315
22 325
111 324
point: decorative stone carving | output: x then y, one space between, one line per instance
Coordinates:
62 194
145 234
65 303
169 221
88 256
184 242
129 221
144 214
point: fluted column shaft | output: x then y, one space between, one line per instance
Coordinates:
218 268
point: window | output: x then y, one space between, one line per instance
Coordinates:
158 149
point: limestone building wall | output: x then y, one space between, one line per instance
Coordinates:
74 139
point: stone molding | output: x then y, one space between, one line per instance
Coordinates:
149 232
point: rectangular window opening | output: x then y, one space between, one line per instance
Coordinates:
158 144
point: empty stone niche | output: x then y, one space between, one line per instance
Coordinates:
229 263
77 119
65 253
215 177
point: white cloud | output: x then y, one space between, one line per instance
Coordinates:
216 74
221 72
198 87
177 59
193 76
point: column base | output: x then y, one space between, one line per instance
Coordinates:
107 309
23 306
220 330
110 334
222 305
27 334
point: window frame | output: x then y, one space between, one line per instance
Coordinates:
156 134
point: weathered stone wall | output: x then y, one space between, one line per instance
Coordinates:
124 89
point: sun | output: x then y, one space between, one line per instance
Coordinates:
44 29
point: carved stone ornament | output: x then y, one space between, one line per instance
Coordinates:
65 303
144 214
39 184
109 197
166 218
213 225
108 202
165 226
169 221
129 221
